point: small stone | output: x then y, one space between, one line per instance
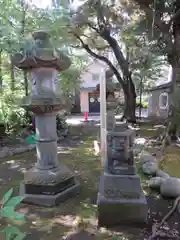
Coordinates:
170 187
10 153
147 157
155 182
14 166
20 149
31 147
166 228
4 152
75 137
162 174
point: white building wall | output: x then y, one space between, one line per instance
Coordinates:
87 76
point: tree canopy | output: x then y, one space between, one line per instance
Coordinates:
120 33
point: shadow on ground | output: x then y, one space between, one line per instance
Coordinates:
77 214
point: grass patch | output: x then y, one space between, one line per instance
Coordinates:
149 130
54 223
171 161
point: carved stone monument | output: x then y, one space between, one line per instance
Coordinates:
48 183
110 107
120 197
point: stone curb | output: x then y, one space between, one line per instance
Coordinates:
8 152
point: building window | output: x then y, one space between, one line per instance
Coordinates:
163 100
95 77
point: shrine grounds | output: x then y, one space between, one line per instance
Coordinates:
76 219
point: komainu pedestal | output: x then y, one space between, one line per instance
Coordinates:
49 182
120 198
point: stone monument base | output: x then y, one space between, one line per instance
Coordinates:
121 201
49 187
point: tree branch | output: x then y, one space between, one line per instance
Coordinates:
93 27
144 4
162 27
101 58
174 17
23 20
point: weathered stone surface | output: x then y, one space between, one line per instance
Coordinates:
4 152
120 186
20 149
111 122
155 182
119 150
121 201
49 200
121 170
41 177
146 157
120 127
48 182
120 197
150 168
160 173
170 187
31 147
138 145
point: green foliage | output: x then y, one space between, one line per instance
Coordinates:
18 19
61 122
144 103
8 205
13 233
7 196
11 114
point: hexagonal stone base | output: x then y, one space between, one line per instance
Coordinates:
50 200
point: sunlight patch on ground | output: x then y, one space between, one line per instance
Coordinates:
171 161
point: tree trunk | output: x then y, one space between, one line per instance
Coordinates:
129 88
174 60
12 75
130 101
126 82
140 95
25 83
130 107
1 79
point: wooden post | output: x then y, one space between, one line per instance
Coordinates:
103 116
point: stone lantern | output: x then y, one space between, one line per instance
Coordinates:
48 182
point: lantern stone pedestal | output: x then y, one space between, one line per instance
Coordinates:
48 183
49 187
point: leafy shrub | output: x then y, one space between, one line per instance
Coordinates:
8 205
11 115
119 109
61 122
144 104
